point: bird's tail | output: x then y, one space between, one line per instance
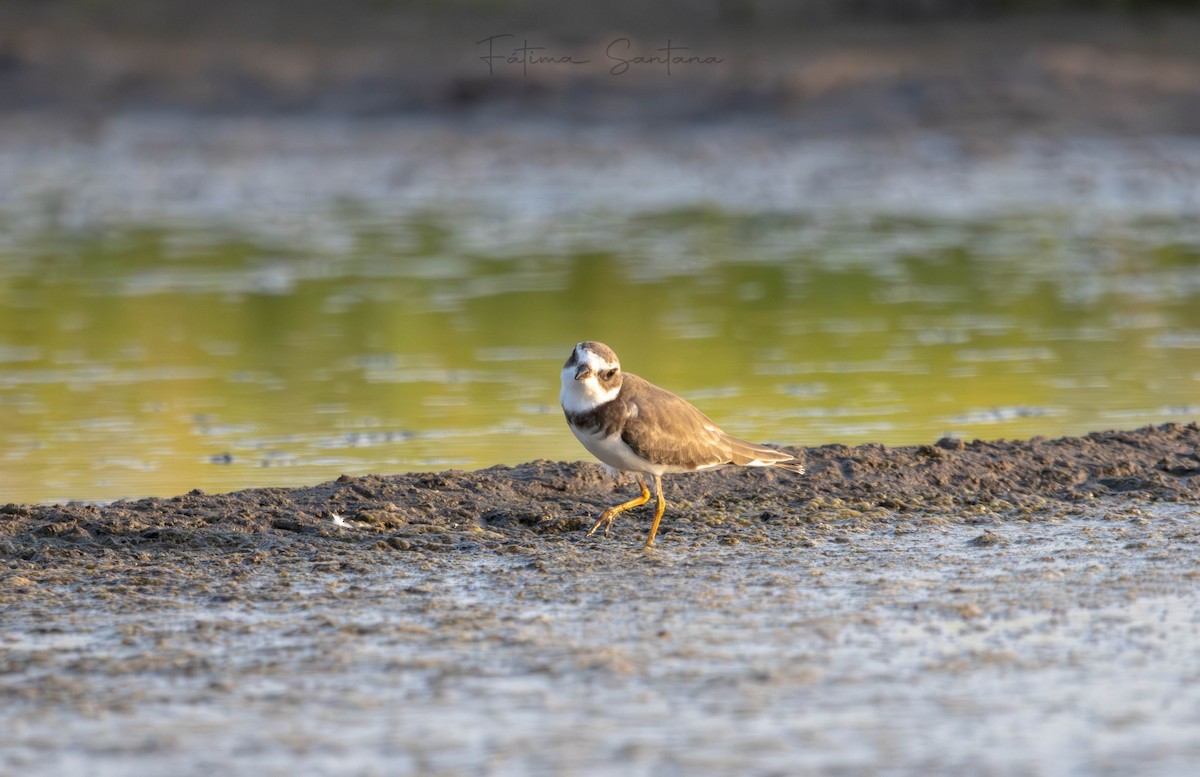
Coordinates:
748 454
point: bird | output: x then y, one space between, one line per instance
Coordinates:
632 425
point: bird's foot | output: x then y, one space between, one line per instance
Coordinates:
606 520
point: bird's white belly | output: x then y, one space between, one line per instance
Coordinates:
613 451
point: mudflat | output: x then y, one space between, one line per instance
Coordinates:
1015 607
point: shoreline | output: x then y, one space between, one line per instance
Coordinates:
555 501
463 619
1041 616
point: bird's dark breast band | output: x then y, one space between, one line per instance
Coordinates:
604 420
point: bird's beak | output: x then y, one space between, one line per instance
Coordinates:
583 371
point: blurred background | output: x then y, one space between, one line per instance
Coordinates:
268 243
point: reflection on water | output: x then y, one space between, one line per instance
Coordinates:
150 361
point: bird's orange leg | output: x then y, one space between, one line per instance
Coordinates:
610 515
658 512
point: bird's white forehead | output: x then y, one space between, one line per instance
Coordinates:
597 361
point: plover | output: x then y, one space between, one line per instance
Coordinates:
631 425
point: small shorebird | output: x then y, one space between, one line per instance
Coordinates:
631 425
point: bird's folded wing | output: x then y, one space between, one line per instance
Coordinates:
670 431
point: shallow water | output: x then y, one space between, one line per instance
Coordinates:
1067 646
221 304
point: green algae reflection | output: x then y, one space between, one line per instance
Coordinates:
143 362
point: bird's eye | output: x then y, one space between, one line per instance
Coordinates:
608 374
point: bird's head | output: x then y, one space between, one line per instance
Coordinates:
591 377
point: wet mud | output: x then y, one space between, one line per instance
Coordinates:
1016 607
547 501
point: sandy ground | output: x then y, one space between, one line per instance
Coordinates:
989 608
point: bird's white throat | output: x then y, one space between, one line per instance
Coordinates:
581 396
